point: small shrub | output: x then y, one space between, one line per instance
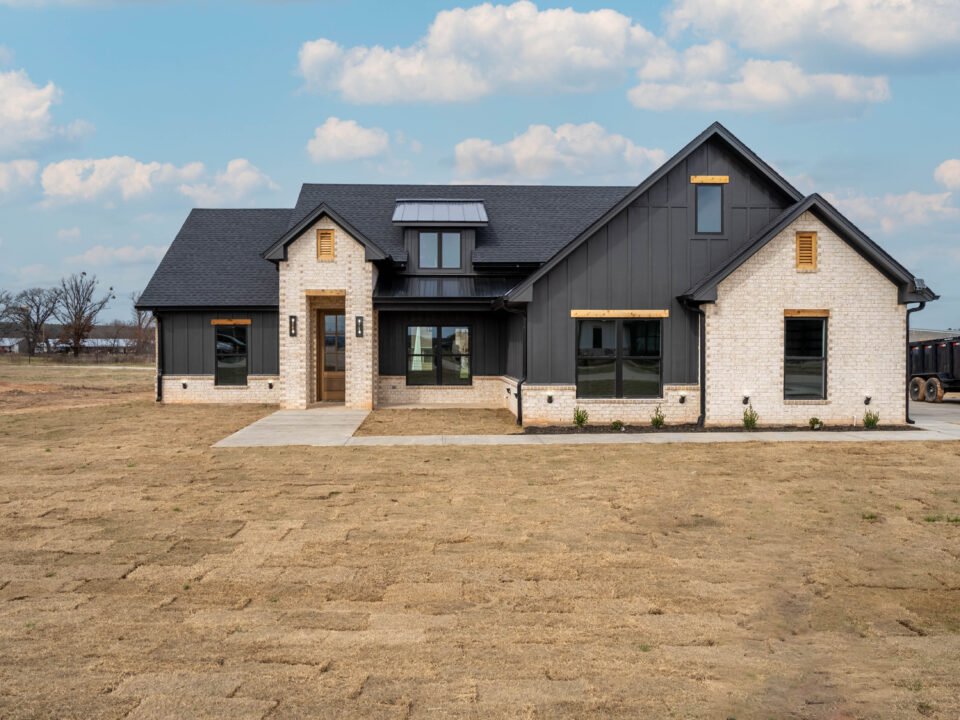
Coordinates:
750 418
871 420
870 516
580 417
658 418
617 426
815 423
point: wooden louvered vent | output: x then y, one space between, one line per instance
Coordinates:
806 251
325 245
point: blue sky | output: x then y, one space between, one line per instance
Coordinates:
117 117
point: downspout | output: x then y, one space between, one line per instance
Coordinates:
159 350
523 377
919 307
698 309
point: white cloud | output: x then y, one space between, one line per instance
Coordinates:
101 255
340 139
123 176
760 85
890 212
17 174
468 53
898 29
567 152
68 234
6 56
24 111
236 185
948 174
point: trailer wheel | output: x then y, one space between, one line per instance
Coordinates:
934 390
917 390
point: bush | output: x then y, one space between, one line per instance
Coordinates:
750 418
657 418
617 426
815 423
871 420
580 417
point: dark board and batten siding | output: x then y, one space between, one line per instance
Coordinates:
646 256
188 341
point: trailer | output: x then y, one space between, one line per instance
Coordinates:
934 368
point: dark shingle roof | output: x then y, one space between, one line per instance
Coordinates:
408 287
215 261
528 223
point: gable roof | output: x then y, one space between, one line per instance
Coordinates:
706 289
527 223
278 250
521 293
215 261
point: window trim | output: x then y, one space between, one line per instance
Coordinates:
696 209
824 317
618 357
437 355
439 232
232 324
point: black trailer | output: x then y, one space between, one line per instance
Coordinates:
934 368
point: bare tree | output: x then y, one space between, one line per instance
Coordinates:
29 312
77 308
142 326
6 306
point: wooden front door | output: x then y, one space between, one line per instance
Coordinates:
332 356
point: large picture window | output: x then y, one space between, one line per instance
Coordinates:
439 250
805 359
438 355
618 358
231 350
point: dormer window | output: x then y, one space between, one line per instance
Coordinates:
439 249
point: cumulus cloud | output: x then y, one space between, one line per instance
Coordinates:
118 176
756 85
102 255
569 152
897 29
17 174
68 234
240 182
890 212
468 53
948 174
340 139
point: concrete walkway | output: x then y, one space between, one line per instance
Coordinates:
334 426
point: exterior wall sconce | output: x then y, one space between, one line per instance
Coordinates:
683 398
549 399
269 386
183 385
867 399
293 326
746 399
359 326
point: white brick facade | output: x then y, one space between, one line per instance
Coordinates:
865 334
202 389
538 409
491 391
350 273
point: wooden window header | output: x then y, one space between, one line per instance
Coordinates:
709 179
326 248
806 313
619 313
806 251
231 321
325 293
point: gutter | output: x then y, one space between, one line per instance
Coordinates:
159 350
921 306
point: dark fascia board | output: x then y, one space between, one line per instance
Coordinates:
278 251
523 291
705 291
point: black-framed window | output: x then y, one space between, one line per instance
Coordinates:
231 355
439 249
619 358
709 209
805 359
438 355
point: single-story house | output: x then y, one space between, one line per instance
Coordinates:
13 345
712 285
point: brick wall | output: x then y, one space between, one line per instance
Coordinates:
201 389
488 391
633 411
745 328
350 273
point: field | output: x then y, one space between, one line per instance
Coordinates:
145 575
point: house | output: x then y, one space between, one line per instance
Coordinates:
13 345
711 285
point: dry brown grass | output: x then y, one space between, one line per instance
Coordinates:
439 421
144 574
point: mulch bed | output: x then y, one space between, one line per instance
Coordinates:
691 428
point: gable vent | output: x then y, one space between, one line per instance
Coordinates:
806 251
325 245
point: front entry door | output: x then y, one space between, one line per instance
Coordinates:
332 360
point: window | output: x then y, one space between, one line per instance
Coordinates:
710 209
438 355
325 245
618 358
805 358
231 352
806 251
439 250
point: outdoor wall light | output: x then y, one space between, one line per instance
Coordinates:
683 398
867 399
359 326
293 326
746 399
269 386
549 399
183 385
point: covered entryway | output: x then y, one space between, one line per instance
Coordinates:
331 355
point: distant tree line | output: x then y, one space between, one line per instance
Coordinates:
75 304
